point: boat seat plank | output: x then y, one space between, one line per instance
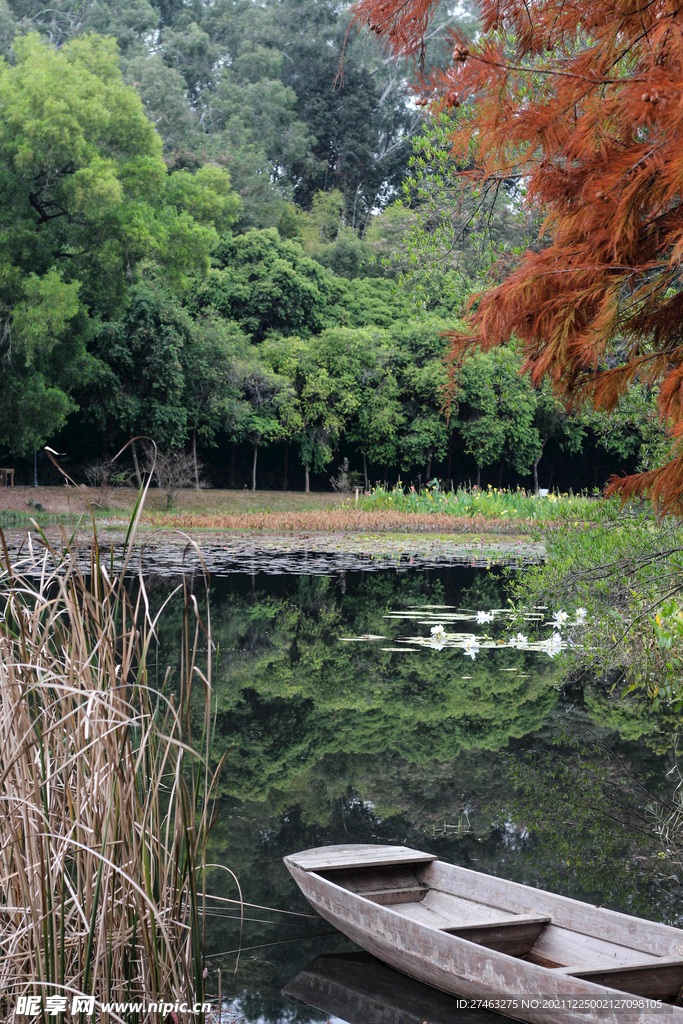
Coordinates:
422 914
662 979
563 947
458 908
326 858
390 897
512 935
383 885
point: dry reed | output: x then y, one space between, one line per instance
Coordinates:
105 801
349 519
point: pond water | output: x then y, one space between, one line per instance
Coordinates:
338 731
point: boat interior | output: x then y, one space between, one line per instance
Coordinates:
532 937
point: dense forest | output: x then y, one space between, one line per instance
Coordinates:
204 242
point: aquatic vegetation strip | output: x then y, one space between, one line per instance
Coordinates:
351 519
105 802
493 503
167 553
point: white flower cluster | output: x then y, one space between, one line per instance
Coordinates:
553 645
562 618
471 648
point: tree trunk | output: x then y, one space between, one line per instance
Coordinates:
233 450
365 471
449 467
253 468
194 459
428 474
536 462
478 475
134 450
286 467
386 476
307 487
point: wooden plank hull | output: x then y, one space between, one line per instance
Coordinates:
513 987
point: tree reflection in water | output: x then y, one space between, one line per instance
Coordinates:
490 763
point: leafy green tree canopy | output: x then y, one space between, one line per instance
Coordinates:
164 374
266 283
86 199
498 409
324 373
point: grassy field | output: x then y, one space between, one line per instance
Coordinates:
64 500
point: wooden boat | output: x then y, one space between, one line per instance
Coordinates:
361 990
520 951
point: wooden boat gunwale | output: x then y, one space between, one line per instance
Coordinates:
463 968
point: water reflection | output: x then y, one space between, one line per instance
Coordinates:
329 741
357 989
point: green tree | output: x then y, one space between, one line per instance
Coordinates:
551 420
502 416
141 386
164 97
380 416
324 372
455 234
265 283
634 427
266 402
129 22
422 377
211 388
86 200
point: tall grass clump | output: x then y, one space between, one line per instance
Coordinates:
491 502
105 797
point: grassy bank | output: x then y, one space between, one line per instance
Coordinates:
496 513
65 501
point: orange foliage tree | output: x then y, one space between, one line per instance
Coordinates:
580 101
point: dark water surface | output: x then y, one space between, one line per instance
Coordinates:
333 739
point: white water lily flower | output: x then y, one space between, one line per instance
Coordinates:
580 615
483 617
519 640
560 619
471 648
553 645
438 632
